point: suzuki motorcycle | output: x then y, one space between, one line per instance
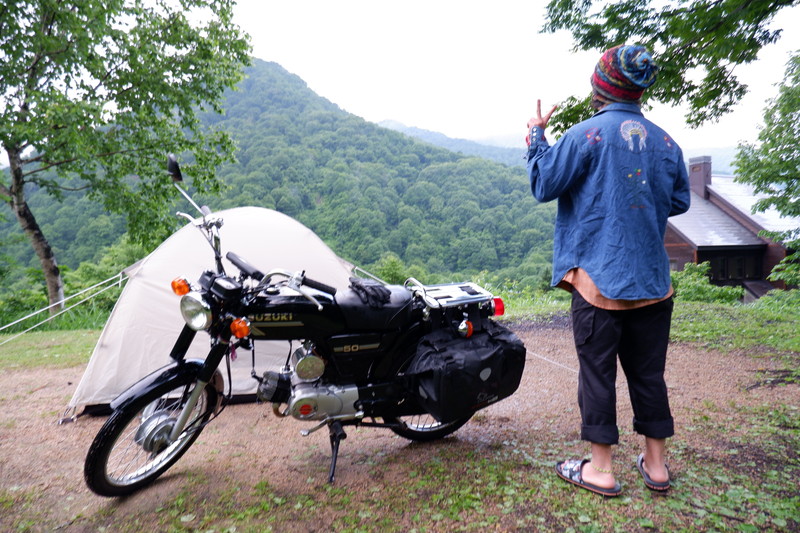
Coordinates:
414 359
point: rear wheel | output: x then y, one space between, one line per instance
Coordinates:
424 428
132 448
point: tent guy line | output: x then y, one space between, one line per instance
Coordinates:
146 317
114 280
556 363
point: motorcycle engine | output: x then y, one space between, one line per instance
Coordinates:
307 365
307 401
275 387
320 401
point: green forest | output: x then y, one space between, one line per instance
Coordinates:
372 194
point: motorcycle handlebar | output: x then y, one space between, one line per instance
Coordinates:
319 286
254 273
244 266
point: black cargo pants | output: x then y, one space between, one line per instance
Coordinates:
639 337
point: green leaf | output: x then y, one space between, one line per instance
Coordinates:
109 88
687 37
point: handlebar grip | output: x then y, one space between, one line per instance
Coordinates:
319 286
244 266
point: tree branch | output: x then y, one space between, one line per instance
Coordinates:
53 164
60 187
687 10
732 15
5 192
48 166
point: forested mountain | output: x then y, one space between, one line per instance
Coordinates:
507 156
78 228
364 189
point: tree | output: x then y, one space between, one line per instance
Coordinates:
773 166
697 43
391 269
93 94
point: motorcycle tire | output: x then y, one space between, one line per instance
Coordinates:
130 450
425 428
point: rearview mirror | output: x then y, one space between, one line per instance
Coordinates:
174 168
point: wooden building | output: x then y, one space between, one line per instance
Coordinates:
720 228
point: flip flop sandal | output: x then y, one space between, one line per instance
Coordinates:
660 486
571 471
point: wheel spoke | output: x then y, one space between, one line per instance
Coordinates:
137 452
425 427
422 422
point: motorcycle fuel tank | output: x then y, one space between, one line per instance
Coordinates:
292 317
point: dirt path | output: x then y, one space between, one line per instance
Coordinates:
41 479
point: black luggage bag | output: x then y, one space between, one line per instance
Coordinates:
454 376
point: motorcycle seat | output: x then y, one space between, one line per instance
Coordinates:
391 315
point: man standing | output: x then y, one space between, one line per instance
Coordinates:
617 177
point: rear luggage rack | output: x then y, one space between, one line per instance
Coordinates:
449 294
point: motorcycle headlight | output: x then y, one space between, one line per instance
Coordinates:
196 312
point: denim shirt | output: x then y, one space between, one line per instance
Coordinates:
617 177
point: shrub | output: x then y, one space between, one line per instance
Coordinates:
693 284
780 301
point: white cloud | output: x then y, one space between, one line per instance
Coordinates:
468 69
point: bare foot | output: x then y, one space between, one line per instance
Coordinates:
659 475
602 479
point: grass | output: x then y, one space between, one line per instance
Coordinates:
47 349
511 487
739 464
766 329
738 327
763 329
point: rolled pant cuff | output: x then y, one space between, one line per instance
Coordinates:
600 434
659 429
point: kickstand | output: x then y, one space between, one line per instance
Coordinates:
337 435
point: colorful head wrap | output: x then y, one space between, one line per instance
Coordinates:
623 73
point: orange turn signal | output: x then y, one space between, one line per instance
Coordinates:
465 329
240 327
470 329
180 286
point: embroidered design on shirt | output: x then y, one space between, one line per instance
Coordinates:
592 136
630 129
668 141
637 185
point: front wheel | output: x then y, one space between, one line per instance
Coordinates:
425 428
132 448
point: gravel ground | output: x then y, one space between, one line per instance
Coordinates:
41 474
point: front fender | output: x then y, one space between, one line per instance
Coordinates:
181 372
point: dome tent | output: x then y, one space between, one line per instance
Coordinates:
146 320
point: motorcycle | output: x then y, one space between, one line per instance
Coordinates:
414 359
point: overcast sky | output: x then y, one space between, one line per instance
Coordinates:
467 68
